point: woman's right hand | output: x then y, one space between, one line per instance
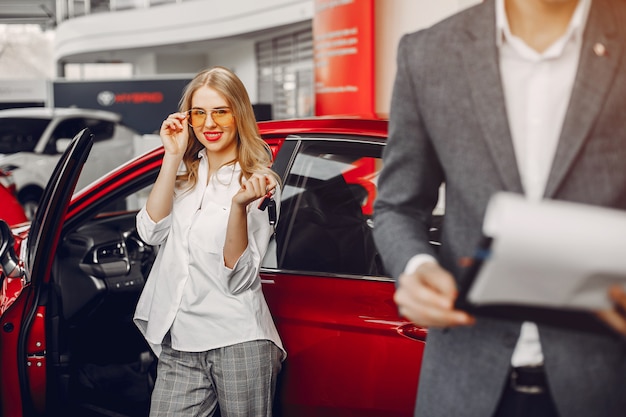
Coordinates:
174 133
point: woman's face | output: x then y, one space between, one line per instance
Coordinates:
218 133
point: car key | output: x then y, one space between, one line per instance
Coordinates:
271 212
265 202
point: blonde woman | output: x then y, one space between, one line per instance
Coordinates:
202 310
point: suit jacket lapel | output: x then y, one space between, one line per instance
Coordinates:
480 56
596 71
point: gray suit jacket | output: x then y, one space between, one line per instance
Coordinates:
448 124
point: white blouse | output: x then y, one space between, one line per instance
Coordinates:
190 292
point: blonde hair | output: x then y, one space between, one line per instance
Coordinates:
253 154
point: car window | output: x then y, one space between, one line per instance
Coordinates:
101 130
326 223
132 202
21 134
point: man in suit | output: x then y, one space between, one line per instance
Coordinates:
526 96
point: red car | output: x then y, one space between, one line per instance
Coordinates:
70 283
10 209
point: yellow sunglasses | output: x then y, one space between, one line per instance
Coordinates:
222 116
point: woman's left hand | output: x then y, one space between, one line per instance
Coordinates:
254 188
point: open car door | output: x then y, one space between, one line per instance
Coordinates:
24 293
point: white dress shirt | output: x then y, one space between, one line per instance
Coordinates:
537 88
190 292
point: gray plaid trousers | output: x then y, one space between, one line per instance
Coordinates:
239 379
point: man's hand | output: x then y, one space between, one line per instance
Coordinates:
426 297
616 317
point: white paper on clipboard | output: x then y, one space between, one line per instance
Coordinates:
550 254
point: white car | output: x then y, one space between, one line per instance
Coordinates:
33 139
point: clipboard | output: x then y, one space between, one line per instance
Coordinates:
567 318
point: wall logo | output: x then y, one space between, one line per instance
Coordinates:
106 98
141 97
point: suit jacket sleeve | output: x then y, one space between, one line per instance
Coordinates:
411 176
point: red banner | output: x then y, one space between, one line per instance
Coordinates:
343 39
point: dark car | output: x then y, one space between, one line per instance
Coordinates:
68 345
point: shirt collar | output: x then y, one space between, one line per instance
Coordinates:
574 30
228 168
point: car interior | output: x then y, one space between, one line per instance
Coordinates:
104 365
328 231
326 223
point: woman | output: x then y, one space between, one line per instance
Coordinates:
202 310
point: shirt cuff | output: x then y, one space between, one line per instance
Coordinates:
417 261
161 224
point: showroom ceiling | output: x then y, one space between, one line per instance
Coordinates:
41 12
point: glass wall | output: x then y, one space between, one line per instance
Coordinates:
67 9
285 74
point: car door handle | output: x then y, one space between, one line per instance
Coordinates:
413 332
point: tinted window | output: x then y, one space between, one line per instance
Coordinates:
21 135
325 223
101 130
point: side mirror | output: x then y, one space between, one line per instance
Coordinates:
63 144
8 260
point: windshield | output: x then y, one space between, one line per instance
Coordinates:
20 134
